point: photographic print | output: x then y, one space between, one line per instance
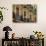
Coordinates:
24 13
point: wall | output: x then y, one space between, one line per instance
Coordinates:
23 29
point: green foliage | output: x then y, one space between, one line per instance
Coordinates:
1 16
3 8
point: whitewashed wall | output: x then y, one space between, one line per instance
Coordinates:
23 29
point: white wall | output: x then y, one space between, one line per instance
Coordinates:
23 29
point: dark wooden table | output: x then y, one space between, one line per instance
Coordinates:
25 41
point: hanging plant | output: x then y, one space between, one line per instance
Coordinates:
3 8
1 15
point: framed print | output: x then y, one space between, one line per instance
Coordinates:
24 13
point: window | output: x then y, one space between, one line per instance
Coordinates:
17 10
24 13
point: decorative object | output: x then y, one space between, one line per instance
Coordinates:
13 36
32 37
7 28
39 34
25 13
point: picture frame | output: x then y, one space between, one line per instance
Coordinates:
24 13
